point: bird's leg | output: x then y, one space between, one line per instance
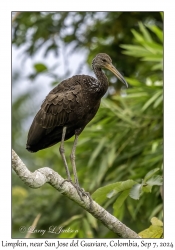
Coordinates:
80 191
61 149
72 158
62 152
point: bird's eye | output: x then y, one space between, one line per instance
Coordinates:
104 60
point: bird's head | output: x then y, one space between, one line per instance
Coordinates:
102 60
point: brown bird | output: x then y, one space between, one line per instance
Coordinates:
67 109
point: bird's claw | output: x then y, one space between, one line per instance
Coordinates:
81 192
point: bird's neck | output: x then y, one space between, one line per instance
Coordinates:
103 80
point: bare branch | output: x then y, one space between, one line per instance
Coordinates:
47 175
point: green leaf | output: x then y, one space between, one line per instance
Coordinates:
146 188
155 180
119 201
111 194
155 232
40 67
154 48
158 66
102 169
137 36
145 32
134 50
111 156
156 222
135 191
158 101
132 81
153 58
150 174
156 31
151 100
101 194
119 113
97 151
136 95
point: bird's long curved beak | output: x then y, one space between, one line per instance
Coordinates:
117 73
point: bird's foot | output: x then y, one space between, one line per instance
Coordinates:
81 192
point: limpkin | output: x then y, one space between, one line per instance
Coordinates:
67 109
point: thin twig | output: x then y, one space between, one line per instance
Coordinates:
48 175
34 224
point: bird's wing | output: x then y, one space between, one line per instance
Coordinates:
57 108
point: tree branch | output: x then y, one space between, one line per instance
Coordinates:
47 175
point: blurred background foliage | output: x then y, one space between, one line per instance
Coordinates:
125 139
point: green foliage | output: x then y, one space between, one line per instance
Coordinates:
40 67
120 151
133 129
93 32
154 231
146 186
111 190
148 49
119 191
